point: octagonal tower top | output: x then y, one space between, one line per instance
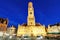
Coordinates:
30 4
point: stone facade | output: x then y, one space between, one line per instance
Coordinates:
53 29
31 28
11 30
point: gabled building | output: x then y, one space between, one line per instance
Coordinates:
3 24
11 30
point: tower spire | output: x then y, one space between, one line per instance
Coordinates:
31 18
30 5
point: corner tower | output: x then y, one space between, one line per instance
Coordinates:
31 18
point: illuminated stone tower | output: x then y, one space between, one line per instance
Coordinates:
31 18
31 28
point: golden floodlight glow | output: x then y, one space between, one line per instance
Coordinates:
31 28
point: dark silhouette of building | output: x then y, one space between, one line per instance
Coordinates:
3 24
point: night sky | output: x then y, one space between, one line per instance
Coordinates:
46 11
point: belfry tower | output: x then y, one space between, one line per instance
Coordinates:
31 28
31 18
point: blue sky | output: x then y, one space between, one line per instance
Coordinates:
45 11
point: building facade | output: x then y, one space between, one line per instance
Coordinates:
53 29
11 30
3 24
31 28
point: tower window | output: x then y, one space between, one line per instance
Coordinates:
30 12
31 22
